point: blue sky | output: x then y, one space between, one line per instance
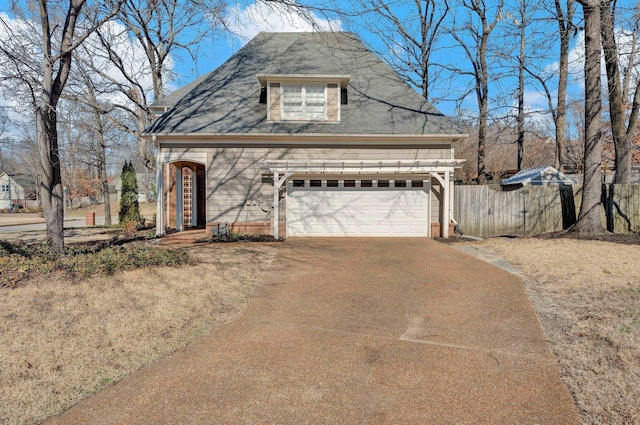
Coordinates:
248 18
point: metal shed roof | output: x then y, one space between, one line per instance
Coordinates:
538 176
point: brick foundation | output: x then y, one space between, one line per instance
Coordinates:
250 228
264 228
435 230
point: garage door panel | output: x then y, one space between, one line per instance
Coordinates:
356 212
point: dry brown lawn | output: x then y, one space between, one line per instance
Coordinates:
147 209
587 296
63 341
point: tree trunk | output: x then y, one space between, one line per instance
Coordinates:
102 164
616 108
51 191
481 93
521 65
482 136
564 25
589 219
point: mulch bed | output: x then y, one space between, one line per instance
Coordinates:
242 238
623 239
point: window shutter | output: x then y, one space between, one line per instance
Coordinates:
343 96
263 95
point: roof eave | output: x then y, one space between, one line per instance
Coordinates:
342 79
292 138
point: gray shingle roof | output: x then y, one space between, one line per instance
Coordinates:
226 101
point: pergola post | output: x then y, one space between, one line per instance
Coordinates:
276 205
159 194
446 207
179 208
428 189
452 199
277 184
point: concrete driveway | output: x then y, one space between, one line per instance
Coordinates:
366 331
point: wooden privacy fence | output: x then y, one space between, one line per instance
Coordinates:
533 210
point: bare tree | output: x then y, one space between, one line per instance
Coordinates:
88 95
60 28
4 120
574 141
161 28
409 34
520 21
589 218
473 37
622 132
564 19
557 103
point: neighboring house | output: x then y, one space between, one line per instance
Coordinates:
304 134
17 189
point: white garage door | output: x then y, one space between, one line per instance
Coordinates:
357 211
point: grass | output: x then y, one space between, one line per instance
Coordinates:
147 209
66 336
587 296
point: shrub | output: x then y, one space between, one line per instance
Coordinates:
19 261
129 208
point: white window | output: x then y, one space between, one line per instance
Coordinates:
304 101
5 187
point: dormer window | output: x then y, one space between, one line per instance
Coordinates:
304 102
301 97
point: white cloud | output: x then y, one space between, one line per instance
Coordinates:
576 59
624 43
247 22
23 35
534 99
18 35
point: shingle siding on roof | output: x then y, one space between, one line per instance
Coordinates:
227 100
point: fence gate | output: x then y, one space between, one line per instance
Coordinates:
484 212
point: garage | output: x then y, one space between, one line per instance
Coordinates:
361 198
357 208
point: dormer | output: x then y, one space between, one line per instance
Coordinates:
306 98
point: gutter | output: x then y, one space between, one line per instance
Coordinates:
290 138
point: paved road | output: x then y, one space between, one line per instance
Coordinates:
69 223
346 331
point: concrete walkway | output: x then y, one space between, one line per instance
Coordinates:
357 331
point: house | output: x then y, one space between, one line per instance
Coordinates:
536 176
17 190
304 134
